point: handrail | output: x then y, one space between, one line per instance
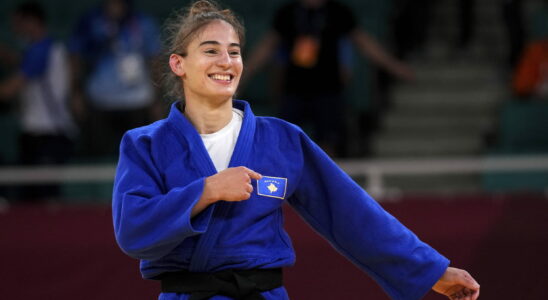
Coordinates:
373 170
55 174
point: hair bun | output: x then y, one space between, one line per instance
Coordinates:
202 7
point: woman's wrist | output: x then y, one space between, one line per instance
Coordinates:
210 194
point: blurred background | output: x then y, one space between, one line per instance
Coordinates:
456 147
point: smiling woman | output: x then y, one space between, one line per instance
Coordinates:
191 202
211 67
184 27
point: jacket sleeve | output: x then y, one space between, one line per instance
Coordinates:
358 227
149 222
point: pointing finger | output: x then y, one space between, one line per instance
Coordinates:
254 175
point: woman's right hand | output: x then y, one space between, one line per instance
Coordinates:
232 184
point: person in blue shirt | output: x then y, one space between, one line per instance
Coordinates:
41 84
113 47
198 196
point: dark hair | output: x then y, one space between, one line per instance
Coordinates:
181 30
31 10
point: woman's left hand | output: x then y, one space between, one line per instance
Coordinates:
457 284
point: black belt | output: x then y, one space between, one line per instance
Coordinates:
237 284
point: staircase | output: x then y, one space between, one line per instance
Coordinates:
453 103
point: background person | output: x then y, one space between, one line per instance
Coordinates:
42 86
112 47
309 36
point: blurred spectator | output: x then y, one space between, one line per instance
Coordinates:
531 75
530 79
311 35
42 84
113 47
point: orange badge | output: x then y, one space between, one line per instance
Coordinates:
305 51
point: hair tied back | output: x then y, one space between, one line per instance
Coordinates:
203 7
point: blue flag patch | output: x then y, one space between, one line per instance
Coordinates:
272 187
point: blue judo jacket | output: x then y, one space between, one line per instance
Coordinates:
160 176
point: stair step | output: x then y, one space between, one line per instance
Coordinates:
447 95
398 122
490 83
450 72
483 49
425 109
406 146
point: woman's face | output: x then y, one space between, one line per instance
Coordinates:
213 64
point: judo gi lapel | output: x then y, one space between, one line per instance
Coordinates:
245 138
197 150
239 157
206 168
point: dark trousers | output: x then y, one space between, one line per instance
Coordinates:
321 116
43 149
104 129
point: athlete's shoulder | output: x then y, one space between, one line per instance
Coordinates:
278 125
275 131
147 132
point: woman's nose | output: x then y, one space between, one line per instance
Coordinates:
224 60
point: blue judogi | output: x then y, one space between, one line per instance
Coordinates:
161 175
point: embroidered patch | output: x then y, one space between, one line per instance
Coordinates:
272 187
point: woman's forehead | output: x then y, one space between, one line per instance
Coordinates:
219 31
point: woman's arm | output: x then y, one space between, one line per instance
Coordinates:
150 221
358 227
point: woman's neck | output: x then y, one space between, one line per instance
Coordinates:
207 117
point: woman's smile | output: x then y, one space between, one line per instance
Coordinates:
222 78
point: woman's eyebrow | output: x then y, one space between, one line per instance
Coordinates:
217 43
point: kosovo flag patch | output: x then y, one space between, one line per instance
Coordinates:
272 187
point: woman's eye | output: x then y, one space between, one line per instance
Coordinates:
235 53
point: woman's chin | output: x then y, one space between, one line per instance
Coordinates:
222 97
224 94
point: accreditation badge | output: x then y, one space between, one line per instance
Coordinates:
305 51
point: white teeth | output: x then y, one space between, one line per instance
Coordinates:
221 77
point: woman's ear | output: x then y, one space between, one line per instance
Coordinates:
176 63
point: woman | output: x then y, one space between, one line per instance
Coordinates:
198 195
